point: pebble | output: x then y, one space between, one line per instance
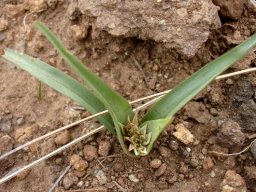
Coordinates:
194 162
162 185
233 182
208 164
69 180
164 151
161 170
155 163
3 24
80 184
253 150
90 152
52 3
79 32
78 163
20 121
35 5
118 167
104 148
2 36
47 146
183 134
212 174
133 178
174 145
6 123
5 144
63 138
251 173
100 175
23 174
22 135
230 134
13 11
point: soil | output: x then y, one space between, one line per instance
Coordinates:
136 60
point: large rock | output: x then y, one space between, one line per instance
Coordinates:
182 25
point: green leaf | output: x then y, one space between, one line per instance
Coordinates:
186 90
60 82
156 127
118 107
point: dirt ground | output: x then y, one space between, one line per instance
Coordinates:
136 60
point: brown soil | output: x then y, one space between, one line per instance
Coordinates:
220 118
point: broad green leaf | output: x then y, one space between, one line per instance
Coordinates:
186 90
118 107
156 127
60 82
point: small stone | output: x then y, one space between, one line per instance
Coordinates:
20 121
194 162
118 167
52 3
155 163
5 144
104 148
174 145
6 123
162 185
233 182
90 152
78 163
80 184
183 134
164 151
212 174
253 150
62 138
214 111
161 170
13 11
79 32
3 24
231 134
100 175
133 178
47 146
208 164
69 180
22 135
35 5
2 37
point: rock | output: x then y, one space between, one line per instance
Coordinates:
162 185
80 184
14 11
47 146
23 174
164 151
133 178
5 144
251 177
6 123
22 135
233 182
183 134
2 37
3 24
20 121
161 170
253 150
104 148
208 164
52 3
90 152
79 32
69 180
194 162
155 163
198 112
63 138
118 167
78 163
100 175
35 5
155 21
230 134
232 9
174 145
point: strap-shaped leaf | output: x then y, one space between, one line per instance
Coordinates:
186 90
118 107
60 82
